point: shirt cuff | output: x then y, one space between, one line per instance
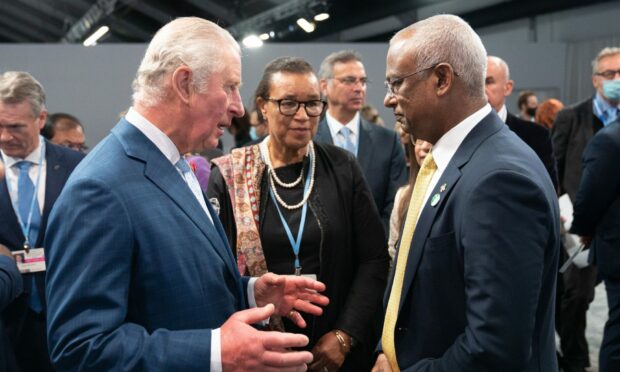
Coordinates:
252 300
216 351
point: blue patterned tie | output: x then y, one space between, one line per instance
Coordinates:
348 144
190 178
25 194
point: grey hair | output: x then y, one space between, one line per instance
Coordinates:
605 52
449 39
19 86
326 71
502 64
190 41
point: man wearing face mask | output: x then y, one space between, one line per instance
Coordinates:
573 128
527 103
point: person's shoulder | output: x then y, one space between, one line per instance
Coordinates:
64 154
519 125
333 153
377 130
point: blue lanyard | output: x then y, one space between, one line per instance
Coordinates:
26 227
295 244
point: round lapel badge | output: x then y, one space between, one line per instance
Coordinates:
435 200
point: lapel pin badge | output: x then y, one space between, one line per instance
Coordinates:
442 188
435 200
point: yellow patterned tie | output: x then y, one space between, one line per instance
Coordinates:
419 191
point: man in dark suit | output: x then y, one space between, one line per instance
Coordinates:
140 275
378 150
473 288
498 86
10 287
36 171
597 221
572 130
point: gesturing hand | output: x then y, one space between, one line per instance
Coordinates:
289 293
328 354
246 349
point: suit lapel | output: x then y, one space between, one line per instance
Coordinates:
323 134
54 180
490 125
164 175
9 224
365 148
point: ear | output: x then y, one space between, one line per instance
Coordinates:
42 118
444 75
508 88
182 83
260 105
323 84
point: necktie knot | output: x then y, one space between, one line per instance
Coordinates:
23 165
345 131
429 163
183 166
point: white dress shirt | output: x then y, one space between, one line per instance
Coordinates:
12 174
449 143
335 126
170 151
503 113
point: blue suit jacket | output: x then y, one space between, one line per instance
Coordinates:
597 205
137 275
382 160
479 288
10 287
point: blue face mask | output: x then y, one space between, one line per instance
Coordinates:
611 89
253 134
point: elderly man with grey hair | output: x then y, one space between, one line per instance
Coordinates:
473 289
141 276
343 82
36 171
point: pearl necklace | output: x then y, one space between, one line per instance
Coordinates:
267 159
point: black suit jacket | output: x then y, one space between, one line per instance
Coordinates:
382 160
572 130
597 206
60 163
538 138
479 288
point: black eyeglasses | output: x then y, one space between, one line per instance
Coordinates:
608 74
352 80
289 107
393 84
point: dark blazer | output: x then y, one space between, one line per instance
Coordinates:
597 206
382 159
539 139
60 163
571 132
10 287
479 288
137 275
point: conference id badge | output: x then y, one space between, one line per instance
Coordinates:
32 261
311 276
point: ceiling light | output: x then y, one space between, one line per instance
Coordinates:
92 39
252 41
321 16
305 25
264 36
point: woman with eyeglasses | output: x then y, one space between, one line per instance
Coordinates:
292 206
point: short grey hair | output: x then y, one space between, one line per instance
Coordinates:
19 86
605 52
190 41
449 39
502 64
343 56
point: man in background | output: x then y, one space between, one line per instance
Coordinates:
572 130
36 171
498 86
343 82
66 130
527 104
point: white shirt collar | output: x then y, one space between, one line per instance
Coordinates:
335 125
154 134
503 113
33 157
446 146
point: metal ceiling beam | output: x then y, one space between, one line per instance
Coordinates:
18 12
34 34
94 15
13 35
129 29
50 10
149 10
211 7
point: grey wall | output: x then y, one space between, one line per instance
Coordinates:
95 83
